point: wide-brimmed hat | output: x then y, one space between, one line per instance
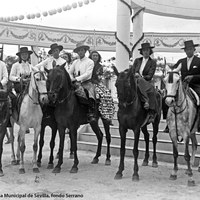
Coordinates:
145 45
54 46
24 50
81 45
189 43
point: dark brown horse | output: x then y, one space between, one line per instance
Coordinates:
4 119
69 113
132 115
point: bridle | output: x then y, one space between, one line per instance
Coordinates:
37 89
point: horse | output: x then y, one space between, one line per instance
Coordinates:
69 113
132 115
29 116
182 120
4 119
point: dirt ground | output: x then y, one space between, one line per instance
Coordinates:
92 182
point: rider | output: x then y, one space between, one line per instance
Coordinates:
190 67
54 58
3 75
144 69
21 70
81 71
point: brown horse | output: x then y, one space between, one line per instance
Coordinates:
4 119
182 120
132 115
69 113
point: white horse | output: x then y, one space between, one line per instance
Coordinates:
182 120
30 116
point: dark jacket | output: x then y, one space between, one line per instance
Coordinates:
97 71
149 69
194 70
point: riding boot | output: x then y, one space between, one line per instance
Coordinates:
91 111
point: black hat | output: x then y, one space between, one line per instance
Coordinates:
54 46
24 50
145 45
189 43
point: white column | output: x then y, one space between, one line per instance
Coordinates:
137 31
34 58
123 33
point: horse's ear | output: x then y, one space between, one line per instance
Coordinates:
167 68
178 68
63 66
46 70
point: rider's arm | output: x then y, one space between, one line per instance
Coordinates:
13 73
151 72
4 78
42 64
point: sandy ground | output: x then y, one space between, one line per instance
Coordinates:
92 182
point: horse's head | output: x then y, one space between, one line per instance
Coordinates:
172 82
125 88
58 79
38 84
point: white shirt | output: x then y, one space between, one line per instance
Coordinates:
19 69
144 61
48 63
189 61
81 69
3 73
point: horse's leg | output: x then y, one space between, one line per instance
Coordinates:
61 131
191 181
135 176
12 139
73 132
122 132
37 130
41 144
21 147
146 138
155 133
52 145
173 175
2 134
99 134
71 154
194 149
108 139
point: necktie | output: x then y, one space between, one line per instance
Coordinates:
53 63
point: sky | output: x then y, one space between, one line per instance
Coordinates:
98 15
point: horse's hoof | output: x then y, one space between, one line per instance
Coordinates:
135 178
154 164
173 177
1 173
50 166
188 172
118 176
191 183
145 163
13 162
71 156
108 162
74 170
95 161
36 170
17 162
56 170
39 164
22 171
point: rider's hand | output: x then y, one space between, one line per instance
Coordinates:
137 75
187 79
